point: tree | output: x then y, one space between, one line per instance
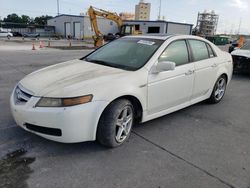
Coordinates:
17 19
12 18
25 19
42 20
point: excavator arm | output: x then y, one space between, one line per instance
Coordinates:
93 13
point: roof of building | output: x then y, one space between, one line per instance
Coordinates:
158 21
67 15
151 21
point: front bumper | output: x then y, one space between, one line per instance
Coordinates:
77 123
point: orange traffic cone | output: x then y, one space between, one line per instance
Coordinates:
33 46
41 44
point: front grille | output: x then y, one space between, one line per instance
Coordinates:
44 130
21 96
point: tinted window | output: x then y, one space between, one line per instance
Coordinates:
176 52
210 51
199 50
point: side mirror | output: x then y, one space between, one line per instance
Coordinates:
163 66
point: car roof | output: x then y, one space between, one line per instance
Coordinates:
151 36
164 36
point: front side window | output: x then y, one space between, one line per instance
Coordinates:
176 52
125 53
199 50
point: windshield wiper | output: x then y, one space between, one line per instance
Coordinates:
105 63
100 62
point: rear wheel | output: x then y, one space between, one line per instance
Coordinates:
219 90
115 124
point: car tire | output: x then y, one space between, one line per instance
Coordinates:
218 90
115 124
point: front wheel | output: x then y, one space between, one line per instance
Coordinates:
219 90
115 124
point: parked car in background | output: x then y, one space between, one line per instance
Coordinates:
131 79
241 58
233 45
6 34
31 35
16 34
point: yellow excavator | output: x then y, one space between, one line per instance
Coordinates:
124 29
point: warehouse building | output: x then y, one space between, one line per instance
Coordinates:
79 27
163 27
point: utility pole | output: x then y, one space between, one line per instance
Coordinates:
58 7
159 16
239 27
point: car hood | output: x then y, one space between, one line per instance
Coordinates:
62 79
240 52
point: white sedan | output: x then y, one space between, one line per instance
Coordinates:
132 79
6 34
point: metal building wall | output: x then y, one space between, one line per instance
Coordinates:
183 29
60 21
144 25
165 27
105 26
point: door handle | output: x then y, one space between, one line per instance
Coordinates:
189 72
214 65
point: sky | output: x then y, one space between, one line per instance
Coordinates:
233 14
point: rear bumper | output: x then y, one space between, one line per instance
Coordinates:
68 125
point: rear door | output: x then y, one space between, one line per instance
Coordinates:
204 60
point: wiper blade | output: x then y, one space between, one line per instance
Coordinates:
105 63
100 62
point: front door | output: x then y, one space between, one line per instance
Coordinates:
171 88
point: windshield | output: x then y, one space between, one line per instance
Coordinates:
125 53
246 46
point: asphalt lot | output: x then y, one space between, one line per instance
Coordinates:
203 145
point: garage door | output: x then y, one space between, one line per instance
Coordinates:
77 30
67 29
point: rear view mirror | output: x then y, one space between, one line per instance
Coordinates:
164 66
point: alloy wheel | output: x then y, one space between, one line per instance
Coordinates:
124 124
220 88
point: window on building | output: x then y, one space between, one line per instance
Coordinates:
153 29
137 27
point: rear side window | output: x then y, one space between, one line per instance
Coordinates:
199 50
210 51
176 52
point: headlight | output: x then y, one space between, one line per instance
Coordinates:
63 102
